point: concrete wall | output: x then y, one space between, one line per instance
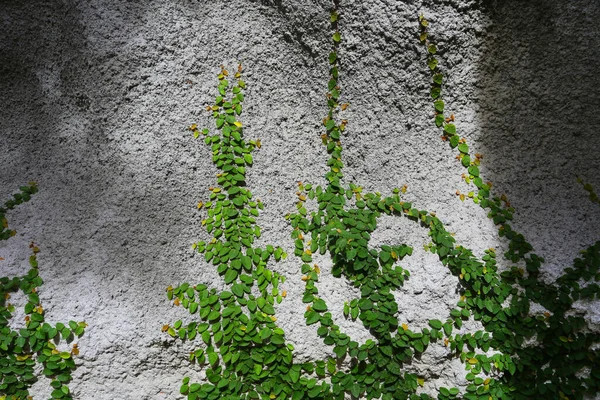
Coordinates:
96 96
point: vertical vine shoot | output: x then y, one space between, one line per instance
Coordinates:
21 350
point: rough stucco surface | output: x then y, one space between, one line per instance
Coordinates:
95 98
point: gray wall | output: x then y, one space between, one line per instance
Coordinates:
95 98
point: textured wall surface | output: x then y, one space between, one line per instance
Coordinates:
96 96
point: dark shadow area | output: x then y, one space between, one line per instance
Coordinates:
539 106
48 90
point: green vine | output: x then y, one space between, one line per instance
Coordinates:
592 195
18 198
518 355
22 349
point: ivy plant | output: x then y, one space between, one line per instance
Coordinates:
23 350
517 354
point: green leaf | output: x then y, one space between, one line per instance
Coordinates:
466 160
439 120
447 328
435 324
450 129
355 390
432 63
454 141
332 57
294 375
473 170
265 333
230 275
418 345
319 305
213 359
238 289
311 317
340 351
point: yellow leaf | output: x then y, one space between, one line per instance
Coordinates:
405 327
23 358
473 361
421 381
193 127
238 124
200 204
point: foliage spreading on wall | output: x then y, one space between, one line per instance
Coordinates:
22 350
516 356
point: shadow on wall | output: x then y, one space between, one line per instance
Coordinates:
539 114
47 123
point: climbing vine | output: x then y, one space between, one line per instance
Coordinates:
517 354
21 350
